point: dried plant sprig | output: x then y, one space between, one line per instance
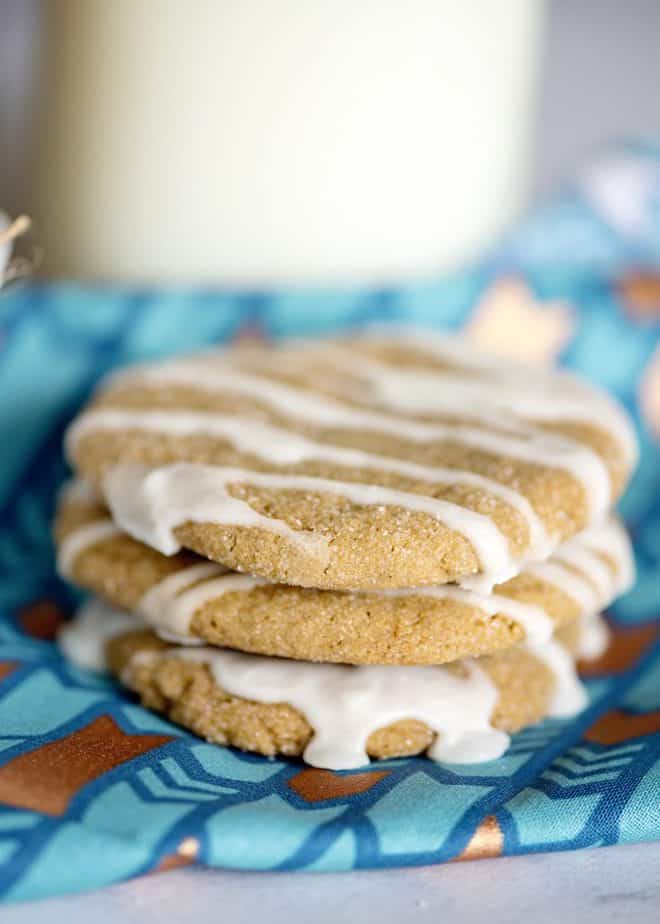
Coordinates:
17 228
19 266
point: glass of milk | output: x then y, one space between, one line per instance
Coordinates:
268 142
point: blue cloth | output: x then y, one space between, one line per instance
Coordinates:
94 789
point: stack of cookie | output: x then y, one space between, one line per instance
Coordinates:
371 547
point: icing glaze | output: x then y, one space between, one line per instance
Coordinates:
501 385
591 565
576 586
485 400
610 538
82 640
282 447
170 605
529 445
594 636
493 385
595 550
596 584
82 538
150 503
569 696
344 705
169 608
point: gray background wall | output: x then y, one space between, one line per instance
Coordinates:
600 80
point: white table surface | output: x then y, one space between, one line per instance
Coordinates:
616 884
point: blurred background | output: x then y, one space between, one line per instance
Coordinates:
280 141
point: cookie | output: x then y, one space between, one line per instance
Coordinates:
187 597
379 463
460 713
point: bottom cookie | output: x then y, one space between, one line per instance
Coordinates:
335 716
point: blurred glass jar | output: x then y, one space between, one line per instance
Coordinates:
253 142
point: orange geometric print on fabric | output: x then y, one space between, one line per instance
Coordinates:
618 726
184 855
640 292
7 668
320 785
487 841
42 619
47 778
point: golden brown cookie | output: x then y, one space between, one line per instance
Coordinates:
187 693
378 463
188 596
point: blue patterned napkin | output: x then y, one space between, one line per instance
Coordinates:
94 789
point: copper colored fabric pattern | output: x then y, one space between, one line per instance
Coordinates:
94 789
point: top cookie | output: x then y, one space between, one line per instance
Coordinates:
376 463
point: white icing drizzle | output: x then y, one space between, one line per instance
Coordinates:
281 447
591 565
150 503
577 586
611 539
82 538
594 636
596 583
419 392
530 445
169 608
170 605
504 385
569 696
175 639
344 705
82 640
